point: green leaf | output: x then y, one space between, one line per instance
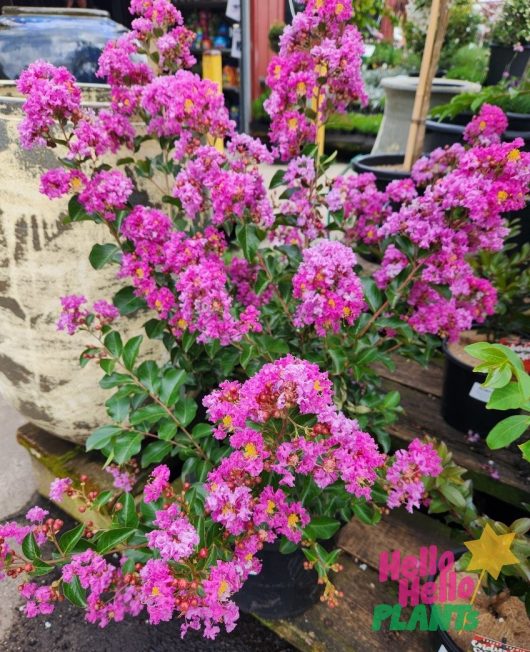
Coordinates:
127 302
114 379
149 414
148 375
287 547
156 452
507 431
131 350
454 496
154 328
185 411
321 527
499 377
201 431
525 450
101 255
69 540
508 397
102 499
372 293
248 240
127 516
113 538
172 381
102 437
338 359
41 568
30 548
76 212
247 354
75 593
127 446
113 343
167 430
277 179
365 513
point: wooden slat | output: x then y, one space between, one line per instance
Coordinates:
398 531
423 416
428 380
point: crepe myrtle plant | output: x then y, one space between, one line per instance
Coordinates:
273 325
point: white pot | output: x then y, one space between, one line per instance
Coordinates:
41 259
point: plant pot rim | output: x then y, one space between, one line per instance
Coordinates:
526 46
18 101
54 11
370 163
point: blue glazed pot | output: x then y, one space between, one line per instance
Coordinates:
73 38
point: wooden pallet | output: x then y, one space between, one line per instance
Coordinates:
348 628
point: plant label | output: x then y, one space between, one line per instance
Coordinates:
480 393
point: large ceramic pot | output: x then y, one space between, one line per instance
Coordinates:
400 92
42 259
505 61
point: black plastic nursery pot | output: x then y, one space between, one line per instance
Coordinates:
464 400
505 60
445 132
385 167
283 589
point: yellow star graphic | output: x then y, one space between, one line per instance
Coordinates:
491 552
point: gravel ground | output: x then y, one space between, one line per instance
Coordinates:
66 629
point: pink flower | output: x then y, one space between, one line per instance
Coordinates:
106 193
158 592
40 600
72 316
328 288
176 539
122 479
486 127
37 515
59 487
406 473
52 97
158 483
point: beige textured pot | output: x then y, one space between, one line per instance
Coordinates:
41 259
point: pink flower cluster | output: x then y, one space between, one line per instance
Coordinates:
318 68
74 316
487 127
329 290
405 474
52 98
109 597
222 187
460 212
331 450
200 301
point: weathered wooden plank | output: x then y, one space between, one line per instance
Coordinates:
348 627
397 531
428 380
423 416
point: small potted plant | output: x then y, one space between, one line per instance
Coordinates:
465 402
510 42
501 601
